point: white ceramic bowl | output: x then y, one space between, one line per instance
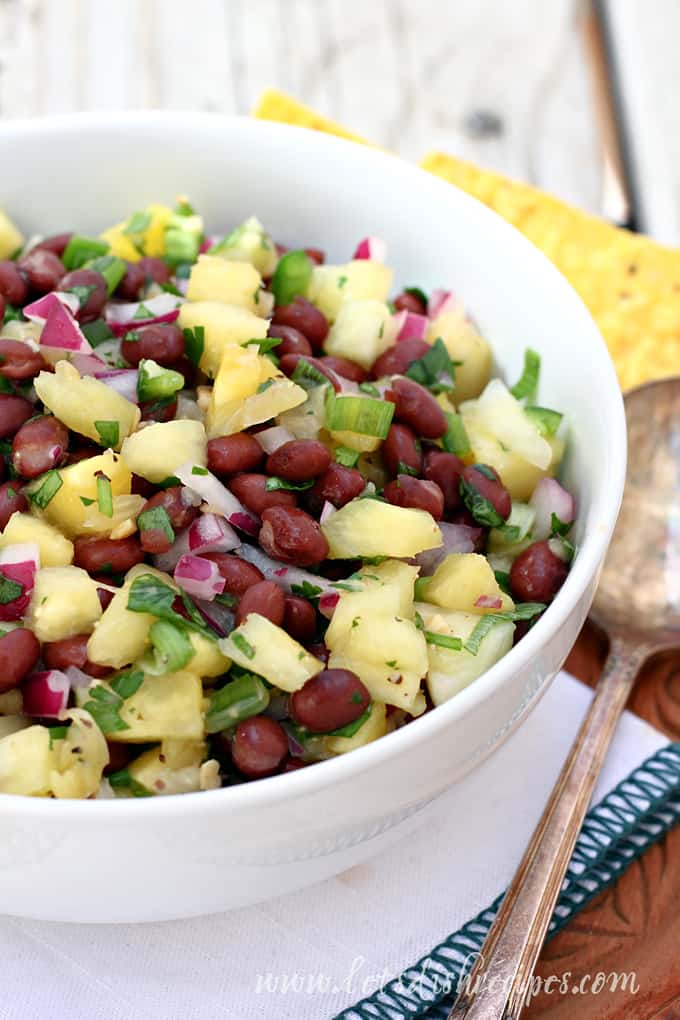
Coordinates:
139 860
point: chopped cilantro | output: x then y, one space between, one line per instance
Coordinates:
50 484
109 432
434 370
273 484
9 590
243 645
156 519
194 343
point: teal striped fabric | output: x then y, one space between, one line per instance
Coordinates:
635 814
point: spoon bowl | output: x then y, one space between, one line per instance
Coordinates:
639 590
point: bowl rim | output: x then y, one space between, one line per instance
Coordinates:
606 500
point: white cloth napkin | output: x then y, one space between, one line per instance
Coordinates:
342 937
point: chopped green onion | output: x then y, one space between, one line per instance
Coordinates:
273 484
122 780
111 268
171 649
434 370
194 343
346 457
291 277
143 312
238 700
352 728
509 533
305 374
148 594
523 611
342 280
265 344
155 382
443 640
483 511
50 484
81 292
104 495
109 432
12 314
559 528
364 415
57 733
502 580
80 250
138 223
198 470
306 590
420 589
526 385
545 419
96 332
456 440
244 646
9 590
168 483
156 519
180 245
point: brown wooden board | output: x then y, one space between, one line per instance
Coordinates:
634 926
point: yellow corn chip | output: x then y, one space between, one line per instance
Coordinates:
630 284
273 105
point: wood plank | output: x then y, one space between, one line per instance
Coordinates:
406 75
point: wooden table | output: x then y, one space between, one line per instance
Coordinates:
501 83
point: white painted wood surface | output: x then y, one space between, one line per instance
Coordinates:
405 73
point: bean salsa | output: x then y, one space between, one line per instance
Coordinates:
254 512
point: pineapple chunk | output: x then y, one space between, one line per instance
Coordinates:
307 419
66 510
358 280
207 660
235 283
503 417
11 238
382 599
121 636
248 390
449 670
260 645
163 707
356 441
159 775
361 332
393 572
467 347
158 449
79 759
121 523
461 580
388 653
55 549
367 527
249 243
374 727
64 603
223 325
81 402
26 762
148 241
518 475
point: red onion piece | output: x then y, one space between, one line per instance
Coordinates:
489 602
218 496
549 498
271 439
39 310
77 678
458 538
219 618
19 563
198 577
46 693
122 380
373 248
441 301
121 316
411 326
210 533
327 511
61 330
327 603
281 573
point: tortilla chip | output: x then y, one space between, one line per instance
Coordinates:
273 105
630 284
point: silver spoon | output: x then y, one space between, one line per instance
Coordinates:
638 605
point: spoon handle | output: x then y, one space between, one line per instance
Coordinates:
497 985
